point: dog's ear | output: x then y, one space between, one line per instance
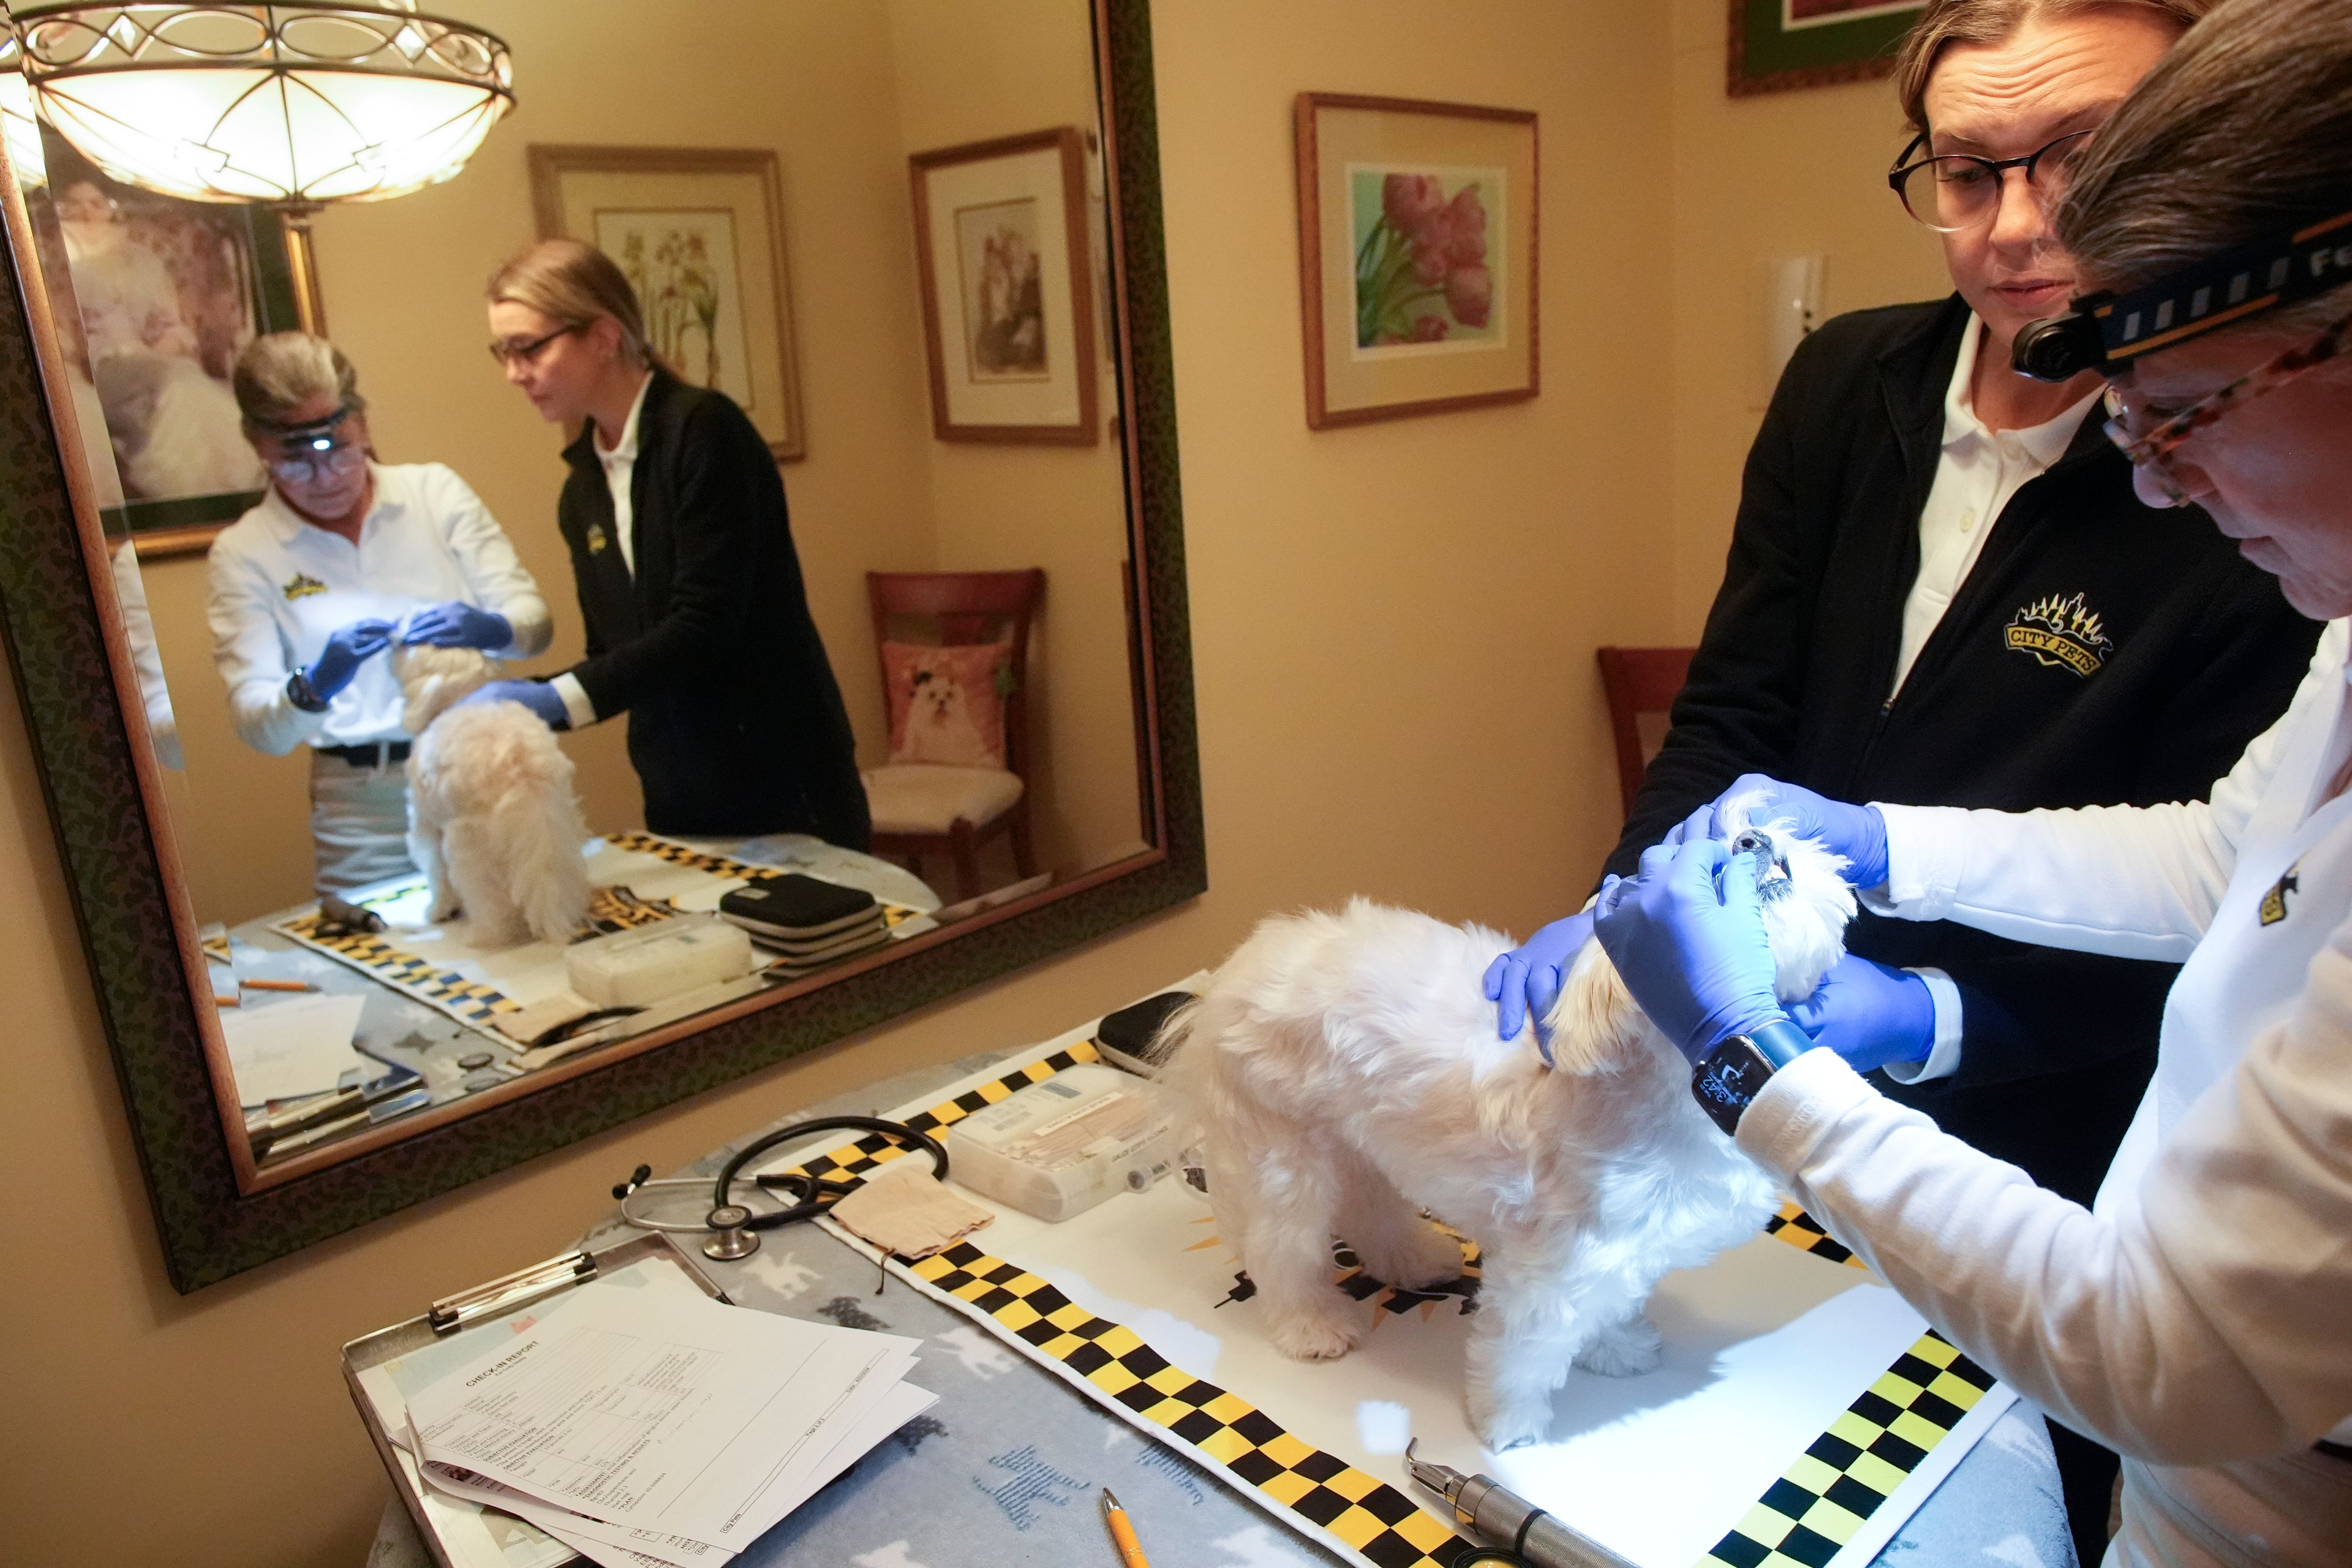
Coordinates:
1596 1026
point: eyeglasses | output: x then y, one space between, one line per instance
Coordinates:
333 453
512 353
1952 190
2150 448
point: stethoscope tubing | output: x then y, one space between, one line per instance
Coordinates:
811 1195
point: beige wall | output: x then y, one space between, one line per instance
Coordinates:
1392 630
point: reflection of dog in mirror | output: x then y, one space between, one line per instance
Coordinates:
940 725
1345 1075
492 820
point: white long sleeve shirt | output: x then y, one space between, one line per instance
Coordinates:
2199 1318
279 586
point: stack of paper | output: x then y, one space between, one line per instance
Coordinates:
644 1428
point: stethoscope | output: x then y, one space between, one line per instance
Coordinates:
734 1228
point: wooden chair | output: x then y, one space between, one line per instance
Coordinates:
1640 683
924 808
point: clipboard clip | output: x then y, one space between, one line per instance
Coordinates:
508 1291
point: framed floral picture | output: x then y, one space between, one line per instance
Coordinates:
1416 257
1777 45
700 233
1001 247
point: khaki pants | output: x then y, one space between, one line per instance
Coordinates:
359 823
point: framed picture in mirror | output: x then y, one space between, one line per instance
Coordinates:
163 293
192 871
1001 239
700 233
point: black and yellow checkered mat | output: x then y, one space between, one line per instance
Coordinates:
610 909
893 915
1851 1469
1804 1517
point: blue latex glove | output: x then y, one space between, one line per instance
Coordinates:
455 623
536 695
1856 832
1524 983
346 648
1687 937
1870 1015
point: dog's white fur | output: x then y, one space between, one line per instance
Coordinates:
492 819
1344 1074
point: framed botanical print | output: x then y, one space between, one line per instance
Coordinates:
1001 250
1417 257
1777 45
165 294
700 233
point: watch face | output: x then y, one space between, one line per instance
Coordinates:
1728 1079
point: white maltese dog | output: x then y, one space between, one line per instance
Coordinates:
1346 1075
492 820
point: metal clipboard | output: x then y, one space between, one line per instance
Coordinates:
453 1330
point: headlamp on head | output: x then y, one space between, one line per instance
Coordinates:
318 434
2106 333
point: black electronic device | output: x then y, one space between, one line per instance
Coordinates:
799 909
1126 1037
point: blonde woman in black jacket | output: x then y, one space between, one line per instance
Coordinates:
699 625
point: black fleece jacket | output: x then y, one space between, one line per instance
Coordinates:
2099 652
736 723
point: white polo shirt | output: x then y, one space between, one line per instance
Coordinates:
1980 470
279 585
620 464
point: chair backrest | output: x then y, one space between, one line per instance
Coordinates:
965 607
1640 683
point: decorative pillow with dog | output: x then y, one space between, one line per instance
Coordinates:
947 704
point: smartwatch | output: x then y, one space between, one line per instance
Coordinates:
298 691
1728 1078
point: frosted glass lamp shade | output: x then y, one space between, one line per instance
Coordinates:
18 129
301 104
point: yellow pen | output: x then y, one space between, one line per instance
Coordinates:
1122 1534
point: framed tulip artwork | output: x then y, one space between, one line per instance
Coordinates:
1416 257
1777 45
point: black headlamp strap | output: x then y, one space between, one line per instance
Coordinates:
312 429
2108 332
2251 279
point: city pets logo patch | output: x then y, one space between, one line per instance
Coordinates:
2274 905
300 584
2058 631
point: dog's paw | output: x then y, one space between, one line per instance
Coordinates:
1318 1335
1630 1349
441 909
1502 1424
1417 1258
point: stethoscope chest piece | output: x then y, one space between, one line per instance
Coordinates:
731 1237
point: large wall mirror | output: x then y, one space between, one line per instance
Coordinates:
917 243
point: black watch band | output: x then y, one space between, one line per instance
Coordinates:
300 693
1728 1078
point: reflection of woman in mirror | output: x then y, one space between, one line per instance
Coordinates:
698 625
174 425
342 554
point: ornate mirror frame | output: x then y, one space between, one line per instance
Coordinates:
104 795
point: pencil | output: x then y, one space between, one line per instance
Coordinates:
231 1000
1122 1534
277 985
